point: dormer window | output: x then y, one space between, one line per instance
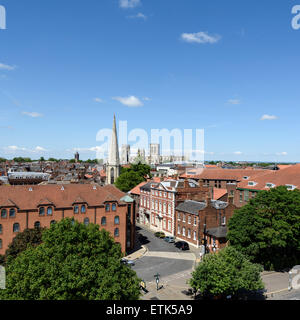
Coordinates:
290 186
270 185
245 178
252 183
42 211
12 213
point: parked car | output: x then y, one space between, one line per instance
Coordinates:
169 239
159 235
182 245
127 262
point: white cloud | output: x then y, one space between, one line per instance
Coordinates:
281 153
147 99
238 152
130 101
129 3
268 117
234 101
138 16
6 67
200 37
14 149
98 100
39 149
32 114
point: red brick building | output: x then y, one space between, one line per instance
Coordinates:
23 207
198 220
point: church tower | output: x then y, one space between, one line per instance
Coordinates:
113 164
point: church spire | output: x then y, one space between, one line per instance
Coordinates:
113 164
113 158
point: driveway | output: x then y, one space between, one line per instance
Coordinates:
162 258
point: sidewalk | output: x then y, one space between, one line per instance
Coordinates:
275 282
137 254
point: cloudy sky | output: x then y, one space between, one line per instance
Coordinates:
228 67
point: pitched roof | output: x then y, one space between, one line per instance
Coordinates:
219 232
61 198
287 176
191 206
219 193
136 189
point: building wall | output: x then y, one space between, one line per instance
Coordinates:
27 219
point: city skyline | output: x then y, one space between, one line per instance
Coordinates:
156 65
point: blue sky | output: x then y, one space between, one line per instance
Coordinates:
66 66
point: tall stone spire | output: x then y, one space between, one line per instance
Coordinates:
113 165
113 158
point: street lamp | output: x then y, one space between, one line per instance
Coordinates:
156 276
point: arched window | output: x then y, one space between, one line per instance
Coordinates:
3 213
83 209
52 222
116 233
42 211
12 212
107 207
37 225
1 229
86 221
16 227
114 207
103 221
49 211
0 243
76 209
117 220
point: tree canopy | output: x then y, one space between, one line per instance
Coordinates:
29 237
267 229
74 262
132 176
227 272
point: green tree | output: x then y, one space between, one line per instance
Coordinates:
74 262
29 237
267 229
128 180
132 176
227 272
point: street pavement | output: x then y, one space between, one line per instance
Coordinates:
162 258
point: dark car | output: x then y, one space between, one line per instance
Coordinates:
159 235
182 245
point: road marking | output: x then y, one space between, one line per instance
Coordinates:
171 255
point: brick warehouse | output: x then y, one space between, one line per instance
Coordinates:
24 207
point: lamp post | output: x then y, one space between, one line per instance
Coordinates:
156 276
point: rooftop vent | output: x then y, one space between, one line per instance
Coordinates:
30 189
62 188
94 187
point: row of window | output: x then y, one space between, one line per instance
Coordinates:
246 195
162 194
37 224
12 213
182 216
179 231
49 210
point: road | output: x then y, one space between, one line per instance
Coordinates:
287 295
163 258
